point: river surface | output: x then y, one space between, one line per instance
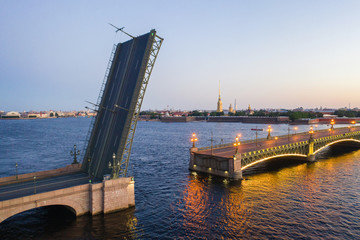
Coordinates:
283 199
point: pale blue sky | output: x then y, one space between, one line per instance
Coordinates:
269 54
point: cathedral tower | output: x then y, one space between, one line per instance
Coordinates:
219 103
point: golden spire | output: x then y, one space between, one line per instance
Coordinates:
219 103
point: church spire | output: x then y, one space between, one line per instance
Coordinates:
219 103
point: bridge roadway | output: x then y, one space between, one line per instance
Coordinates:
229 151
26 188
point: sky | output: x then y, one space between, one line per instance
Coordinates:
270 54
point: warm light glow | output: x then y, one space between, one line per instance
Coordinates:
194 165
268 158
276 138
311 130
295 128
226 172
194 138
342 140
209 168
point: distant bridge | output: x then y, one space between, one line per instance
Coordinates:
228 160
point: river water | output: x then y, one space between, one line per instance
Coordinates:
283 199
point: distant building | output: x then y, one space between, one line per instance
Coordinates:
249 111
231 110
11 115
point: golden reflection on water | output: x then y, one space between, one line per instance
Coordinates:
196 206
302 188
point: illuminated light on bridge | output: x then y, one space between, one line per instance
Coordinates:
273 157
311 132
295 129
193 139
269 130
237 143
338 141
332 122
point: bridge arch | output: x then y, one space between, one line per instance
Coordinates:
347 141
17 211
73 206
292 155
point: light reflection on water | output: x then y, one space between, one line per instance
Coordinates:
282 199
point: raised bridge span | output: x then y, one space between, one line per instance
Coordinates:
228 160
100 184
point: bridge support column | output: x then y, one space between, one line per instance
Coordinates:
235 171
192 158
311 155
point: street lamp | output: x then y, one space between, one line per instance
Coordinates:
115 166
329 131
332 122
269 129
75 153
237 143
193 139
295 128
311 132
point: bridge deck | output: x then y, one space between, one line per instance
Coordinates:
26 188
228 151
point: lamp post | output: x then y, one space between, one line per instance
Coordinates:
193 139
353 122
329 131
115 166
332 122
311 132
16 166
237 143
295 128
34 184
75 153
269 129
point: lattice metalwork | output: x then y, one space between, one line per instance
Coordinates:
98 101
125 156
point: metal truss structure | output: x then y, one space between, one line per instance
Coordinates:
125 156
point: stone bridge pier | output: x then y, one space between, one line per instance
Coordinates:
105 197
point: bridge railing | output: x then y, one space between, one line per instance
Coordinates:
261 139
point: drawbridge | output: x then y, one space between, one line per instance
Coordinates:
111 133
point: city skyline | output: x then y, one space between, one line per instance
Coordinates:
268 54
